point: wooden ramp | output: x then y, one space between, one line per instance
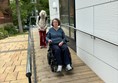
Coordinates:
80 74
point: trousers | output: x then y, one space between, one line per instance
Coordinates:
42 35
62 54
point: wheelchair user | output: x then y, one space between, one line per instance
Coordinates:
56 37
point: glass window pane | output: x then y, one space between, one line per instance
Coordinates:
67 16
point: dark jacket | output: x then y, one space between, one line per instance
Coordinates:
56 36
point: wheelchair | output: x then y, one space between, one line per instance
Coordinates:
52 60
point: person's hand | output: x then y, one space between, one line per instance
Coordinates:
61 43
49 41
41 29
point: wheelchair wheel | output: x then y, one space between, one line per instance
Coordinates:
53 68
48 58
53 64
51 60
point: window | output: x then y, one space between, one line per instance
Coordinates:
67 16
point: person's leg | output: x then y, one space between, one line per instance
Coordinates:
66 54
44 38
41 43
57 55
67 57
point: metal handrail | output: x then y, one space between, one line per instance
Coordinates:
93 36
29 66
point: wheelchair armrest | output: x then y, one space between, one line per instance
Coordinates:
67 40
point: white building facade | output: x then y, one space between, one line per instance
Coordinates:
96 35
54 9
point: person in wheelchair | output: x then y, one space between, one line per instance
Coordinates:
56 37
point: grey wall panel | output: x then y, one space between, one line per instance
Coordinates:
107 73
87 3
85 42
96 2
83 3
84 20
106 52
106 22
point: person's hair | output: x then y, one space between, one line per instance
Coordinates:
42 11
57 21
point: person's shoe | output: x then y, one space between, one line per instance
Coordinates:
68 67
45 46
59 68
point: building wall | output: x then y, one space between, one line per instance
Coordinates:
4 3
98 18
5 12
54 9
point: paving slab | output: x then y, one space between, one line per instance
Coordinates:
13 56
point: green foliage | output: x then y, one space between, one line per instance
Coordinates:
43 5
13 8
26 9
10 29
3 33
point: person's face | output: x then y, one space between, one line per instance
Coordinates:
55 23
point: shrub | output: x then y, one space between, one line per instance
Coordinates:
3 33
7 30
10 29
